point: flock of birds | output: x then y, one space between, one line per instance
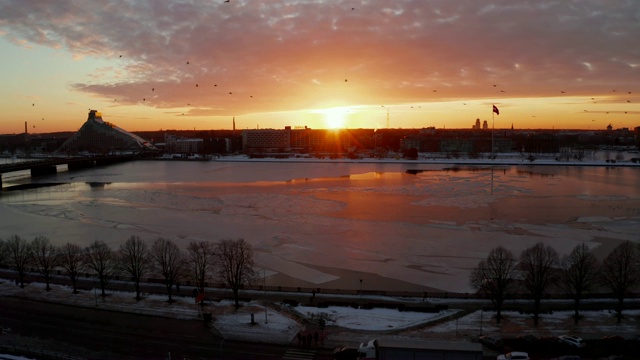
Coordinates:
197 85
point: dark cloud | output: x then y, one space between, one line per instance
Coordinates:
283 55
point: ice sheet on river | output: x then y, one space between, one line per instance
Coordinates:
422 231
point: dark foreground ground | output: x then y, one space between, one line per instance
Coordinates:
54 331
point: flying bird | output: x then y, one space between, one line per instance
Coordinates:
187 63
153 89
196 85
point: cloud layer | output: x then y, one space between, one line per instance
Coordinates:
247 56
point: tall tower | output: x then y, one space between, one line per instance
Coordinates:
234 124
387 118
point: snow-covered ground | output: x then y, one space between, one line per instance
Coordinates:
279 323
273 322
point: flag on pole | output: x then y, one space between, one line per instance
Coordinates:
495 110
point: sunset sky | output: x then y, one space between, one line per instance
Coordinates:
158 64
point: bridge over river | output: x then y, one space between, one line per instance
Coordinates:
48 166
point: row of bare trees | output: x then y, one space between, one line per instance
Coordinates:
540 270
230 260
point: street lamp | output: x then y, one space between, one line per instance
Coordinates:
387 115
264 289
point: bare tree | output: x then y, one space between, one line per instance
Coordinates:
18 252
72 261
3 253
539 271
201 261
494 277
620 272
135 260
578 275
169 261
235 258
101 259
43 253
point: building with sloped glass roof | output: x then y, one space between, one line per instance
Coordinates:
100 137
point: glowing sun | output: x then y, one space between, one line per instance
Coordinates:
335 118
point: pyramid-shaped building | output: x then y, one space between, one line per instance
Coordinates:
99 136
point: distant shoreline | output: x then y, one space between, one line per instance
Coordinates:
457 162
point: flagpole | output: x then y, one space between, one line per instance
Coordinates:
493 125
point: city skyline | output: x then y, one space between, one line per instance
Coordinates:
153 65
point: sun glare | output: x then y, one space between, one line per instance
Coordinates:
334 118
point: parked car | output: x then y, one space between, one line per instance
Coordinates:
491 342
567 357
572 341
514 355
345 353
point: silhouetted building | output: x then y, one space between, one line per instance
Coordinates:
295 141
179 145
99 136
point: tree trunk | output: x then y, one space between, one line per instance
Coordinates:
536 311
619 308
498 311
169 287
235 296
576 310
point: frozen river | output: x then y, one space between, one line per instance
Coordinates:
338 225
